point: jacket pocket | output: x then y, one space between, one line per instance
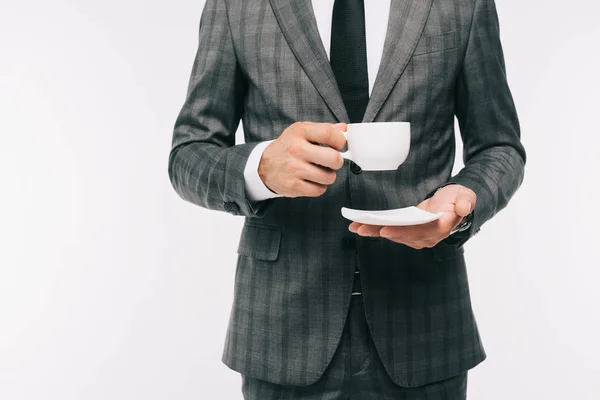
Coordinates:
260 241
435 43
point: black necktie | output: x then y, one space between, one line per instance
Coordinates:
348 56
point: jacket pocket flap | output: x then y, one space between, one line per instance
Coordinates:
260 241
435 43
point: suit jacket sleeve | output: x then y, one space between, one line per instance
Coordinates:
206 168
493 154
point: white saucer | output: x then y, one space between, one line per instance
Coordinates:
396 217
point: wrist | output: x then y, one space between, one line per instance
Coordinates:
256 190
263 167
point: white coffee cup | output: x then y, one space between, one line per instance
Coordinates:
378 146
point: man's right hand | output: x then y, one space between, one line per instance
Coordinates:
295 165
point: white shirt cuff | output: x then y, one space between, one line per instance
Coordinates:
255 188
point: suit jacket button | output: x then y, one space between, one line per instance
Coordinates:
232 207
355 168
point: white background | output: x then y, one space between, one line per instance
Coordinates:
111 287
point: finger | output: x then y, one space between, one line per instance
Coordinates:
465 201
354 227
369 230
405 232
336 138
339 128
324 156
324 133
317 174
412 232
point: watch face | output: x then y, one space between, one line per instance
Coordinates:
464 224
467 223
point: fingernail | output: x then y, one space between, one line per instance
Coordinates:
367 234
351 229
386 235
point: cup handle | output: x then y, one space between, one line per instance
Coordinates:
346 154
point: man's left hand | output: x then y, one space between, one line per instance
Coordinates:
455 201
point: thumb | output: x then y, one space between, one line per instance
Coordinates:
465 202
341 126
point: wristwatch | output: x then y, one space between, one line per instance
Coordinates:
464 224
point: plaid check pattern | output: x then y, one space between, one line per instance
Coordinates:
356 373
262 62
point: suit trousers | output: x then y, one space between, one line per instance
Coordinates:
356 372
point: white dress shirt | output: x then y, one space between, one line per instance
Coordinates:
376 20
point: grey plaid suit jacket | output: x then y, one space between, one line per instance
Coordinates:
263 62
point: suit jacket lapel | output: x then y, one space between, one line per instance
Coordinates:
406 22
297 21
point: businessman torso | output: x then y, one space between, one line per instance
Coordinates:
296 257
